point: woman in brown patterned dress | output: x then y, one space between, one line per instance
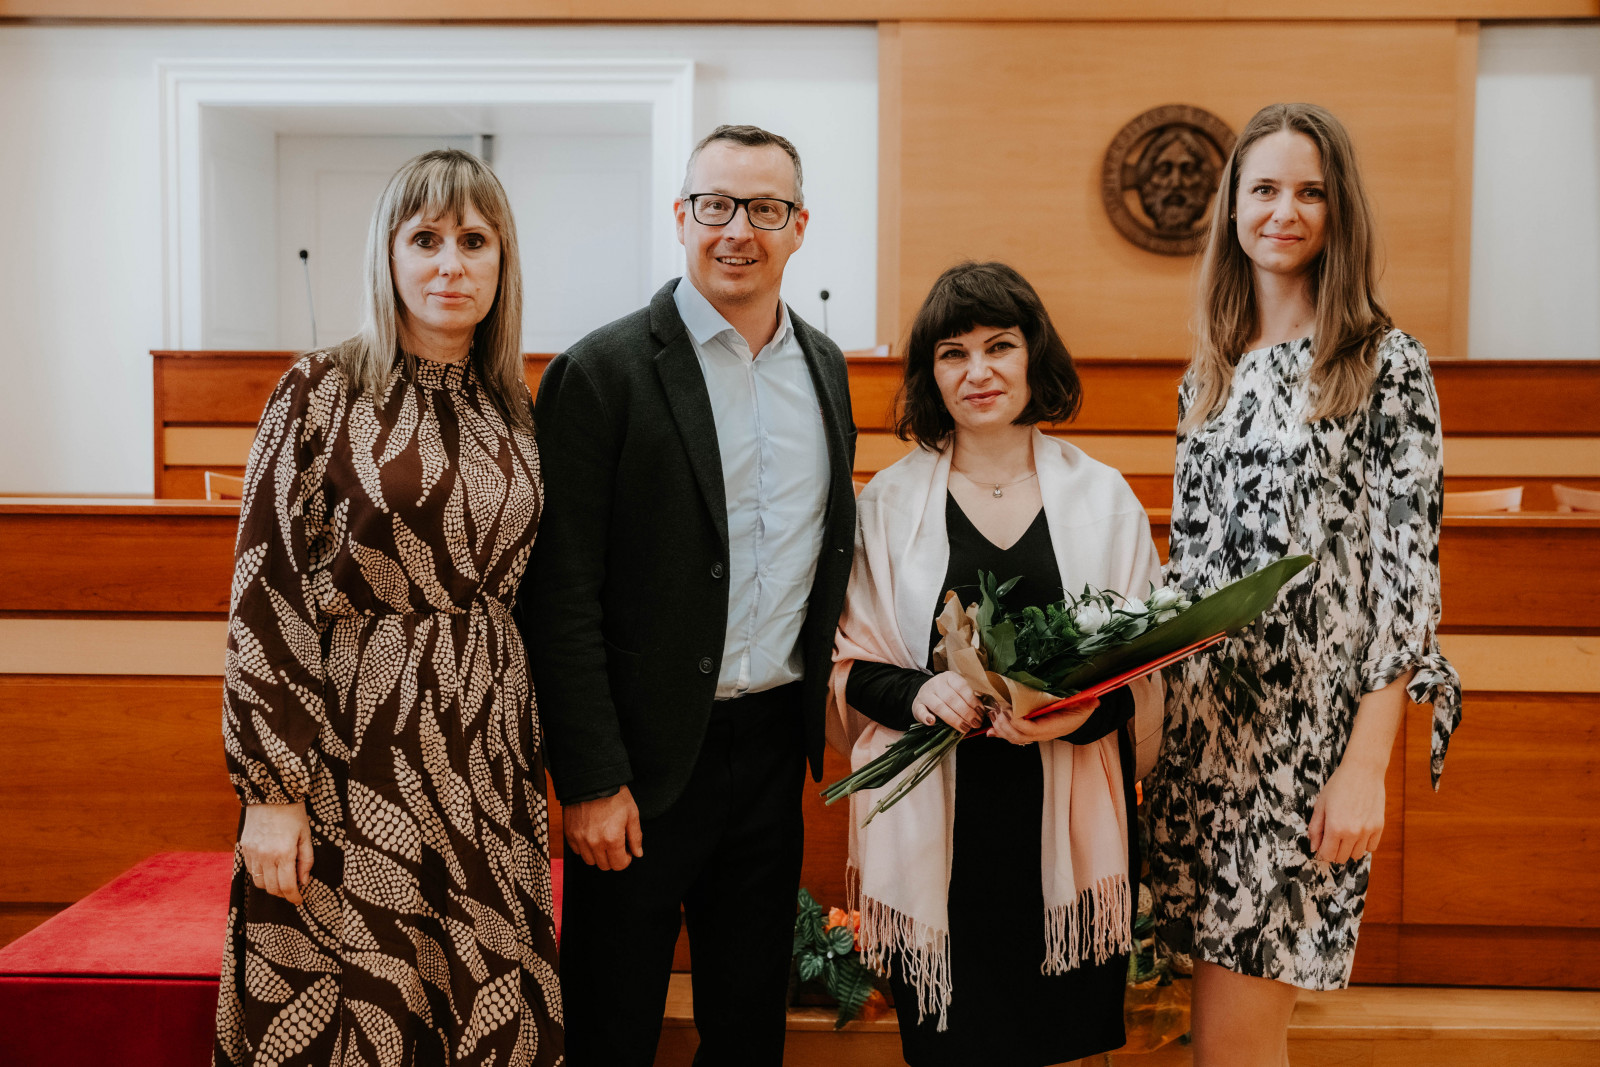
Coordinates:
391 890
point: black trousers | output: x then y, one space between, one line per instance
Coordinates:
727 852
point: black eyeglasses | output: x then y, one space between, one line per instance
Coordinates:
764 212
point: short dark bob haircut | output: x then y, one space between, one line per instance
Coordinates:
966 296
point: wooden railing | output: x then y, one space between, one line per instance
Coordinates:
1507 422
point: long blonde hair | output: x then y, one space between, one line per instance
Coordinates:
1350 317
436 184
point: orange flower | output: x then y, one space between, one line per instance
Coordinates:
852 919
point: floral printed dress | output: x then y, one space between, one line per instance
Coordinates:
374 671
1234 876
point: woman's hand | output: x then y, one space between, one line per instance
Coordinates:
1347 820
276 846
947 697
1046 727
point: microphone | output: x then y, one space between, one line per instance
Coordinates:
824 295
311 303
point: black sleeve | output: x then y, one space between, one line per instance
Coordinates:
560 595
884 692
1116 708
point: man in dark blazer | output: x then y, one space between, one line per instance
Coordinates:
679 610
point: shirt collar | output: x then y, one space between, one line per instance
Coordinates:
705 322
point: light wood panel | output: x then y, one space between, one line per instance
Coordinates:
1003 129
98 775
157 646
1511 831
786 10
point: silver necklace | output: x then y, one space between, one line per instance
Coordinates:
998 486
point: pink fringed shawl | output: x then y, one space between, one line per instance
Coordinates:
899 872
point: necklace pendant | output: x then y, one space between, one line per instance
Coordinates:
997 491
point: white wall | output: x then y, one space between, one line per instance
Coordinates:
81 177
1536 194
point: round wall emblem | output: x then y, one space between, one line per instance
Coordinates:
1160 174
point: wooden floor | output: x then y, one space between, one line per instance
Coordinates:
1365 1026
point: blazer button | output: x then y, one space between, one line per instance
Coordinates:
706 665
716 570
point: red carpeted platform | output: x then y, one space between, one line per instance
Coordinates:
128 975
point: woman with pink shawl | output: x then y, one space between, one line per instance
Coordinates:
997 893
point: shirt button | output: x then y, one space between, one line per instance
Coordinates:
716 570
706 664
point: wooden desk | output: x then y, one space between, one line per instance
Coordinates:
111 637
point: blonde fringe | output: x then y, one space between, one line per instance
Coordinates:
1091 929
924 952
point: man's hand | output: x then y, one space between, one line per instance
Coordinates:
605 833
276 847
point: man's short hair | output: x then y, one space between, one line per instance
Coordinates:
746 137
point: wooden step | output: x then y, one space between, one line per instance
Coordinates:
1364 1026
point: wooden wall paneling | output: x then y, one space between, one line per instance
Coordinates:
1385 887
1537 956
158 425
116 563
98 774
1510 838
18 919
1003 129
1377 959
220 388
1505 576
1524 397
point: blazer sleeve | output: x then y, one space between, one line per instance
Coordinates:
560 599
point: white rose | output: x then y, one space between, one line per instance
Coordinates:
1091 617
1164 598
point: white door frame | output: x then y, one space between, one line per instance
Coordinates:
666 85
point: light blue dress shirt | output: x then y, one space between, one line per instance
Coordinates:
775 476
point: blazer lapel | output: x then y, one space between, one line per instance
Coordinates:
690 404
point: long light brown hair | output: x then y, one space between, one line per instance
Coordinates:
438 184
1350 317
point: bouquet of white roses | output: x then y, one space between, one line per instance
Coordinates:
1038 660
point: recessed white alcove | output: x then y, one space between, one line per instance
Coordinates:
263 158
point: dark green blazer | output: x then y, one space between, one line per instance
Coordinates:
624 606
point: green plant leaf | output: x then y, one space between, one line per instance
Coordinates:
851 985
841 939
809 965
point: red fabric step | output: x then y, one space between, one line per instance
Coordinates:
128 975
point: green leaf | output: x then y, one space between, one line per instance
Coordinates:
1000 642
851 985
841 939
809 966
809 927
1229 609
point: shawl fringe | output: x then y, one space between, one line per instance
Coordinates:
1091 929
923 951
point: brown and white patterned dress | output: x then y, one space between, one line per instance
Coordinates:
375 672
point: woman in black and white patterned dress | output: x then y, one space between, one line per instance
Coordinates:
1307 424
